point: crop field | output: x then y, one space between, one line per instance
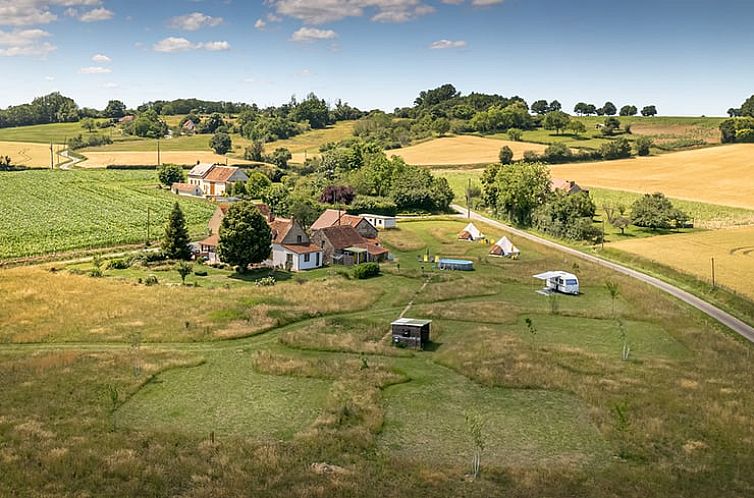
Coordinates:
718 175
304 383
46 133
186 158
53 211
733 250
461 150
32 155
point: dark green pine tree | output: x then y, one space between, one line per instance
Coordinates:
175 242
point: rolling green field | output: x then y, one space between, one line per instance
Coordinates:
319 386
56 211
56 133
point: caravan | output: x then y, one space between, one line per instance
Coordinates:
560 281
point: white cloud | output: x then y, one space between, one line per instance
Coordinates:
215 46
173 44
25 42
101 58
95 70
442 44
28 12
313 34
194 21
260 24
94 15
110 84
484 3
323 11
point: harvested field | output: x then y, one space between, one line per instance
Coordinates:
28 154
102 159
664 132
460 150
733 250
718 175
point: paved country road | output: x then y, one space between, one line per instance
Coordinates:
721 316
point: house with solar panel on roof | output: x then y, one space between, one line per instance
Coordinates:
215 180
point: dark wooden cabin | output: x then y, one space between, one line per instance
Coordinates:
411 333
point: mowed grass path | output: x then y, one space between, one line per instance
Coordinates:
461 150
692 253
719 175
55 211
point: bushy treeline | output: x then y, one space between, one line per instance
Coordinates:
52 108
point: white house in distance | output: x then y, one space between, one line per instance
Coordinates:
215 180
470 233
186 189
292 248
381 222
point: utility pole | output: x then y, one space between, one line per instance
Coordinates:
713 272
468 200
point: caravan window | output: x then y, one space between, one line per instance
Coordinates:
572 282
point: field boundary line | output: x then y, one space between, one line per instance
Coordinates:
736 325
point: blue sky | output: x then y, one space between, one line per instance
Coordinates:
689 57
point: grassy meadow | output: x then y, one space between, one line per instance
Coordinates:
58 211
306 397
461 150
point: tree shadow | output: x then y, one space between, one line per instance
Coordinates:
254 275
432 346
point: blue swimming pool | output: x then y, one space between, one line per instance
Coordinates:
455 264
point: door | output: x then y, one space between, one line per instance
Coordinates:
317 260
211 189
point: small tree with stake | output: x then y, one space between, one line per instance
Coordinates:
184 270
475 426
612 288
175 242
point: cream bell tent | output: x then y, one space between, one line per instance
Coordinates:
471 232
504 247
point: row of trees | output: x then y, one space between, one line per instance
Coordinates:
609 109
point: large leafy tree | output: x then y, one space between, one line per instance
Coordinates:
649 111
747 108
520 189
115 109
221 143
556 120
655 211
276 196
257 184
628 110
609 109
170 174
313 111
540 107
175 241
245 236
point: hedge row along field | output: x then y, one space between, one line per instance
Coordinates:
54 211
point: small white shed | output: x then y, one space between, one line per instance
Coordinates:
560 281
470 233
380 222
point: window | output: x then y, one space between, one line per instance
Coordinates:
307 257
298 239
572 282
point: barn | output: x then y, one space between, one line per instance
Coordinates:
411 332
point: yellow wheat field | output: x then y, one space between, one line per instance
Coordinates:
461 150
102 159
733 250
718 175
29 154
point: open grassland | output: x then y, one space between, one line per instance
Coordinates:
312 407
185 158
31 155
176 144
461 150
55 211
719 175
733 250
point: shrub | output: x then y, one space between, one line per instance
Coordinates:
373 205
506 155
557 153
643 144
515 134
151 280
531 157
745 135
616 149
119 264
366 270
265 281
201 273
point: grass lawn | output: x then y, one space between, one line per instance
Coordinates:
56 211
46 133
225 395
